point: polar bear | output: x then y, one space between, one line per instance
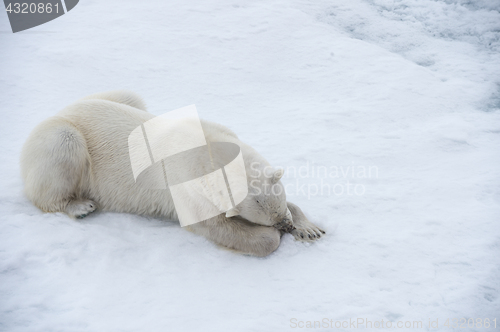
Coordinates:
78 160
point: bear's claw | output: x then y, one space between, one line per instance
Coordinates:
308 233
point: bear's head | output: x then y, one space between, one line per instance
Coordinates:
265 203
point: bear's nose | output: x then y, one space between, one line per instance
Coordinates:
285 225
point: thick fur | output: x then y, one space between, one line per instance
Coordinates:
78 160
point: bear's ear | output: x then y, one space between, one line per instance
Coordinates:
233 212
277 175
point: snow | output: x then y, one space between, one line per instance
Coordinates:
407 89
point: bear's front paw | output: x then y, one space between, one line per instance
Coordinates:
309 233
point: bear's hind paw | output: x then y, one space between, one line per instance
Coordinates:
81 208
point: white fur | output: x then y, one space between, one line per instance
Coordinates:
79 159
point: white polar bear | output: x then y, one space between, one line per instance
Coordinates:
79 159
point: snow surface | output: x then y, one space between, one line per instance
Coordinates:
410 88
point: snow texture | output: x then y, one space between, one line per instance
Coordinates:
399 100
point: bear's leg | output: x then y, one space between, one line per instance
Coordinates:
54 163
304 229
239 235
120 96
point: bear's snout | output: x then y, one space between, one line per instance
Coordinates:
285 225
